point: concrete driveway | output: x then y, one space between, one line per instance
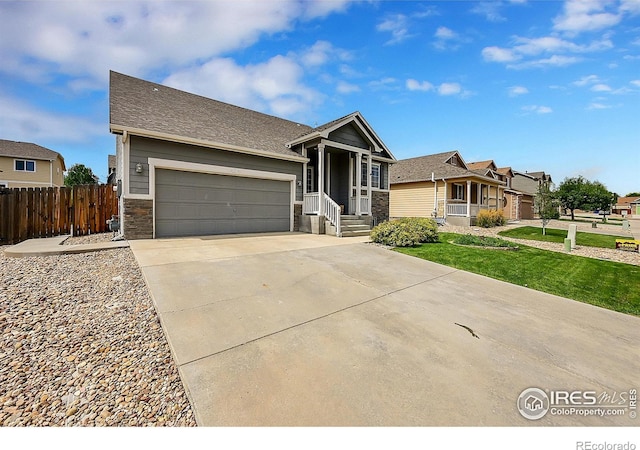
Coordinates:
296 329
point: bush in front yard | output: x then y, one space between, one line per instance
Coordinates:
405 232
490 218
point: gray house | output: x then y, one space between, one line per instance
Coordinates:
189 165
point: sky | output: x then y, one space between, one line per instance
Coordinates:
537 85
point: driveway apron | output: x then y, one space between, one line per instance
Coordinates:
296 329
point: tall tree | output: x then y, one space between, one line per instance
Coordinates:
80 174
546 205
571 194
597 196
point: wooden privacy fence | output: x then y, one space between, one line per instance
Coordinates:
27 213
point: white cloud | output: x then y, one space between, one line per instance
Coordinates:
398 26
321 53
553 61
387 83
490 10
497 54
85 39
275 85
635 82
347 88
600 87
515 91
415 85
449 89
596 105
445 33
584 81
22 122
587 15
537 109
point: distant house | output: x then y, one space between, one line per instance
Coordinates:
443 186
24 165
627 205
111 167
517 205
528 182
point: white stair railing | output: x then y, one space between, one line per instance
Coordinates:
311 203
332 212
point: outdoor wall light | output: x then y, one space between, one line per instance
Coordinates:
138 168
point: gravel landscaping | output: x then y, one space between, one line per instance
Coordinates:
81 345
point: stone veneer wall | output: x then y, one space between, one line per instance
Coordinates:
379 206
297 212
138 219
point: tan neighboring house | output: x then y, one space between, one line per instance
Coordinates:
25 165
442 186
517 205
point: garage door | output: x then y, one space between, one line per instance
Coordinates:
196 204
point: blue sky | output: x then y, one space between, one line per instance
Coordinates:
535 85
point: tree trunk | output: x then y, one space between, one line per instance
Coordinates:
572 216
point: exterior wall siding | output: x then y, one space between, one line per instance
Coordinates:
40 178
141 149
349 136
524 184
413 199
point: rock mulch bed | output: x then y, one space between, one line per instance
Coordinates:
81 345
89 239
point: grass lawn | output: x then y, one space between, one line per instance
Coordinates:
610 285
555 235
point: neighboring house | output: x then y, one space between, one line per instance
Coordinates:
442 186
627 205
190 165
25 165
517 205
528 182
111 167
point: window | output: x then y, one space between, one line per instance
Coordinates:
458 191
311 179
375 175
364 174
22 165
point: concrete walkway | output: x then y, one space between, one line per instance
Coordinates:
296 329
53 246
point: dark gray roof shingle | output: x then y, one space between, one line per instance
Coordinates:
16 149
419 169
136 103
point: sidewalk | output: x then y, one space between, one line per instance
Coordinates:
53 246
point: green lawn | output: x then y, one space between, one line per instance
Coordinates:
555 235
610 285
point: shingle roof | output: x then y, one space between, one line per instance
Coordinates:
136 103
27 150
419 169
481 165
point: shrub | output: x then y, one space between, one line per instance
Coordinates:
405 232
488 218
483 241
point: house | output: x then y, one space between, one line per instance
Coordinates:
189 165
528 182
517 205
442 186
627 206
27 165
111 169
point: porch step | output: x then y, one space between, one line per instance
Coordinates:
353 226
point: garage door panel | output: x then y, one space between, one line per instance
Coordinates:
191 204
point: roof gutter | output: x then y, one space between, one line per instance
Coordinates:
128 131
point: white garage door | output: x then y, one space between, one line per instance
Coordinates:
197 204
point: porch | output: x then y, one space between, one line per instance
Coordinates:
338 182
463 200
